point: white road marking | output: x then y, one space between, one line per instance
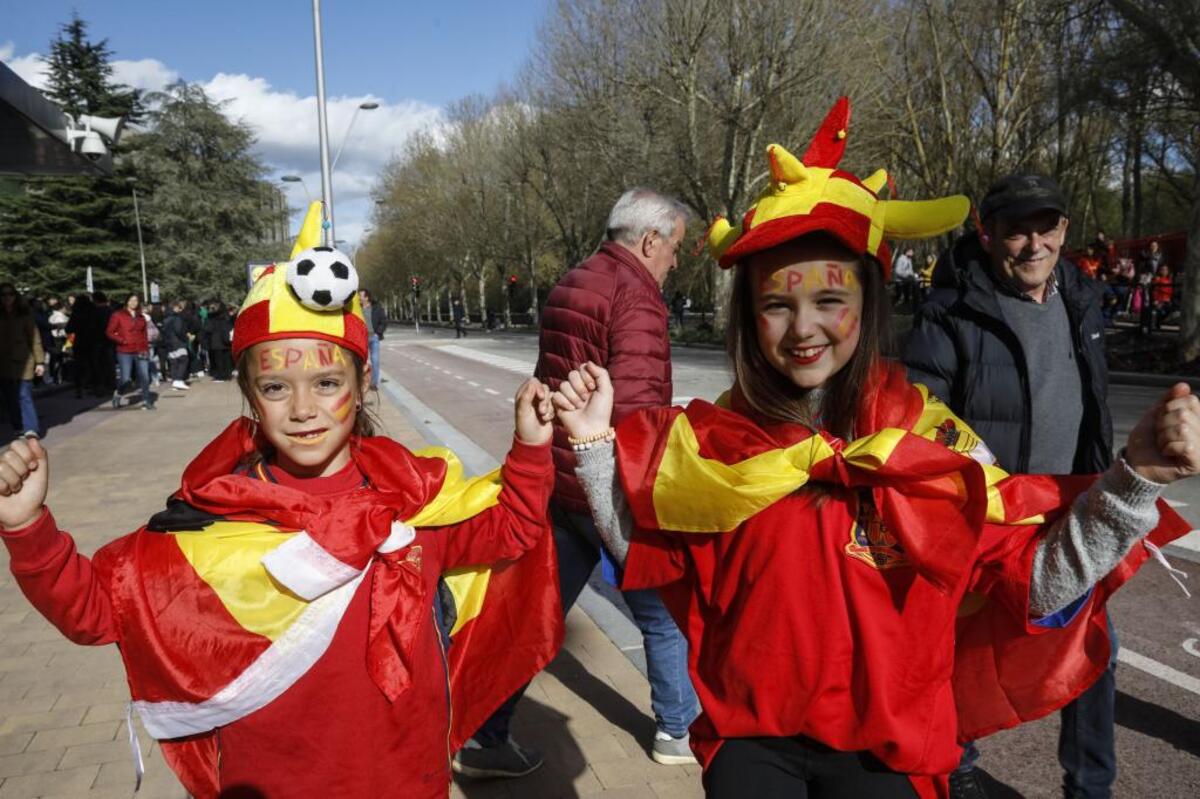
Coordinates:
459 377
492 391
472 383
524 368
1192 647
1174 503
1160 670
511 400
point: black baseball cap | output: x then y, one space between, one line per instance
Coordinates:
1018 196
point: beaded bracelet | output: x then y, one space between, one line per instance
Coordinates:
586 442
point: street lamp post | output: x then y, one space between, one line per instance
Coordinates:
137 218
367 106
323 128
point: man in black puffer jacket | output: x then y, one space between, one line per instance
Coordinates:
1012 339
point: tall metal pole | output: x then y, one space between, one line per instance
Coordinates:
137 218
326 172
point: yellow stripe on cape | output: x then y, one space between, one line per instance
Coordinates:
696 494
227 555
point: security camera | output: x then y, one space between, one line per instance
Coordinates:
92 146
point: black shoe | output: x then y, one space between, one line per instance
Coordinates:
966 785
509 759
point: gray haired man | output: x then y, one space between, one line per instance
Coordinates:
609 310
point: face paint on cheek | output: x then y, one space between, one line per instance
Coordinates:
341 410
847 323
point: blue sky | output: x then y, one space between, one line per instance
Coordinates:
413 58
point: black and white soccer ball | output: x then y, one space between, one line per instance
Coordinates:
322 278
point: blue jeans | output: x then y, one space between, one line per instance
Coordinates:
1086 745
125 364
672 697
373 352
18 404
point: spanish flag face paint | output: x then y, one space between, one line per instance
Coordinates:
808 304
305 392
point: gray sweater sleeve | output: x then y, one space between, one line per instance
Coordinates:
1084 545
596 470
1077 551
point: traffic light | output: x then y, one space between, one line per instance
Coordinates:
512 283
415 285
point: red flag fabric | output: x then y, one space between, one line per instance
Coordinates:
819 581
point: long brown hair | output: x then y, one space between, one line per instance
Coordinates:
774 396
365 421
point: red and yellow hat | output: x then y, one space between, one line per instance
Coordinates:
811 194
315 295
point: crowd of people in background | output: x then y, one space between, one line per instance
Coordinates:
108 349
1141 287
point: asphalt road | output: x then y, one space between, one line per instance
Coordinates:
470 383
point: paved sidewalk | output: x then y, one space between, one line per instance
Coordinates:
62 707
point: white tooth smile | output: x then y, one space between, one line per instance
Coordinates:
807 352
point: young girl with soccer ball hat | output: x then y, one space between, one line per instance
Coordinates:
861 587
280 622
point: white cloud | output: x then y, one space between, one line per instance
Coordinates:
285 124
31 67
147 74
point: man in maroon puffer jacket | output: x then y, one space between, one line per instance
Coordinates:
609 310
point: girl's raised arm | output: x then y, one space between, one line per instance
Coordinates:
62 584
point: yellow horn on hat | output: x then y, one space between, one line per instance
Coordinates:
785 167
721 236
876 181
310 230
923 219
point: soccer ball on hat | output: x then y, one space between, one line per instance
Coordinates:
322 278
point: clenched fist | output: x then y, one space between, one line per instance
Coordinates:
584 401
24 479
1165 444
534 413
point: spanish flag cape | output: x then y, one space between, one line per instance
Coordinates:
231 594
708 469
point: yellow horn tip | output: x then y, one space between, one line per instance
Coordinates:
841 134
721 236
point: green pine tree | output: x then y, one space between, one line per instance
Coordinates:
81 76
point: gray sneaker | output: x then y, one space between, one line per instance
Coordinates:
671 751
510 759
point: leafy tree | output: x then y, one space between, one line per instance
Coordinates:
1170 31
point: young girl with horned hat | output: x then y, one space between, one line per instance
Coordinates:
860 586
277 622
